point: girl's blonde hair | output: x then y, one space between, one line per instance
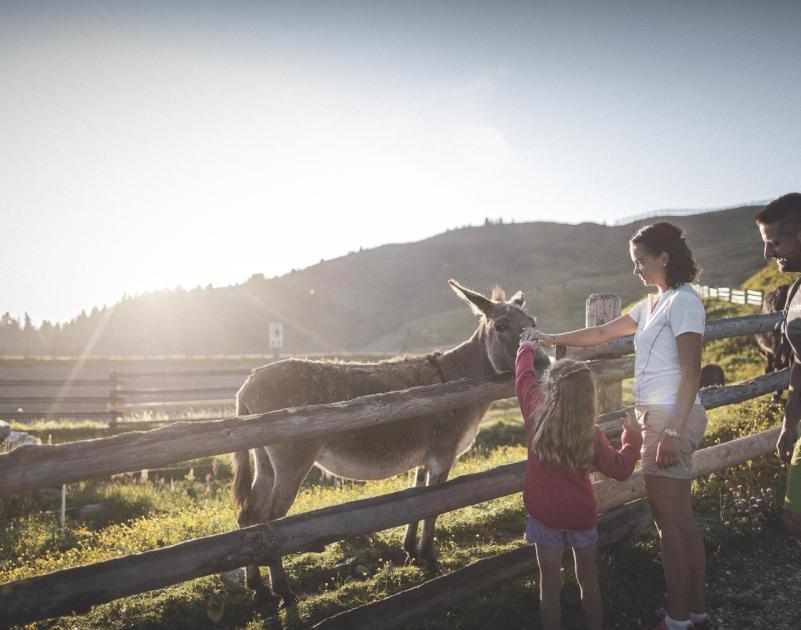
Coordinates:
564 425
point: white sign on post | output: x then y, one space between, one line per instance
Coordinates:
276 335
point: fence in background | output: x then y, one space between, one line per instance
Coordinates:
128 393
735 296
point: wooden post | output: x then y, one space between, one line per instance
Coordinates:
62 516
600 309
114 398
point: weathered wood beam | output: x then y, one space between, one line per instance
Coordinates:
477 578
39 466
76 589
32 467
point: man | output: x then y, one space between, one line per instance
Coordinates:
780 226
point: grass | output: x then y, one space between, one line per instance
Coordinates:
138 513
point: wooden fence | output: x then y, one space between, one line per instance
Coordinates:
120 393
735 296
120 397
77 589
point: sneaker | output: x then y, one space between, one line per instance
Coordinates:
706 624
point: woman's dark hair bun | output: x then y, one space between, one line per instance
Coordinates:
666 237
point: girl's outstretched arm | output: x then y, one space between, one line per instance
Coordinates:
529 394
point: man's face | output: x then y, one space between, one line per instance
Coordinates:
784 246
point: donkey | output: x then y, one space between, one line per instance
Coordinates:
773 344
712 375
429 443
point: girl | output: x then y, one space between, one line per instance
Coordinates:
563 443
668 327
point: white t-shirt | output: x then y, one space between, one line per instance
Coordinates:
656 356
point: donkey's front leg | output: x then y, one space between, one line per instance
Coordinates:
410 539
426 549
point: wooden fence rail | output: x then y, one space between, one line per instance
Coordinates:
37 466
31 467
735 296
119 399
477 578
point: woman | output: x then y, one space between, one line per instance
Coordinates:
667 328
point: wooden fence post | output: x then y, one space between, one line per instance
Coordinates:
600 309
114 398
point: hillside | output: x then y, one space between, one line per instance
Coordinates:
395 298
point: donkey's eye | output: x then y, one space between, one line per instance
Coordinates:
501 327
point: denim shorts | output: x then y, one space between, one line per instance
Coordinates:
537 533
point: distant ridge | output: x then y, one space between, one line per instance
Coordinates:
396 298
679 212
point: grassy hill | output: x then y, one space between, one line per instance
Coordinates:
396 298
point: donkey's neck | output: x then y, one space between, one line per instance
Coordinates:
468 359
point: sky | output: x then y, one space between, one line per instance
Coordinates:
146 145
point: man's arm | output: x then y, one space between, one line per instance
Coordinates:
792 413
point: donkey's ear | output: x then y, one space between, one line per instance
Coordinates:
518 298
477 302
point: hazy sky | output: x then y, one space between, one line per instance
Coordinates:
149 144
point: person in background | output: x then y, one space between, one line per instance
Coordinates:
780 227
563 442
668 327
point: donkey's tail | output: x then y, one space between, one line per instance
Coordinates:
243 476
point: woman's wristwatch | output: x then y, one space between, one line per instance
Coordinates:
671 432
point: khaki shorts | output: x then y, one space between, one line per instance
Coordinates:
652 419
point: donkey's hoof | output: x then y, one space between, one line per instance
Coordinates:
286 599
265 602
430 563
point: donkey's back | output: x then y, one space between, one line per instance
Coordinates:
300 382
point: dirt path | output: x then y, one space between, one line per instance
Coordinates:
757 584
752 583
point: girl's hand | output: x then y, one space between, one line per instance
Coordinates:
630 421
667 451
536 337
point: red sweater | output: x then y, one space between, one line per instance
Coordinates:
557 497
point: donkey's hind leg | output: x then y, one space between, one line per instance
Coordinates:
410 538
291 467
259 512
437 473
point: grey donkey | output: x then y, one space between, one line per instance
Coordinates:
429 443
